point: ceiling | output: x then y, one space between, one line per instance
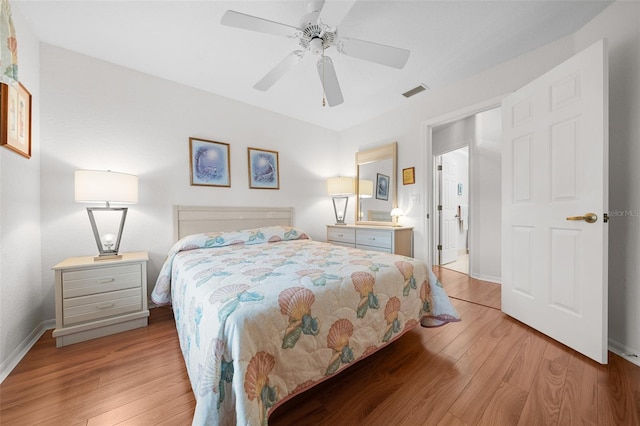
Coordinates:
183 41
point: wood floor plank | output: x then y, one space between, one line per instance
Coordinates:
451 420
433 405
505 406
545 398
437 342
471 404
476 371
580 394
462 286
616 403
458 346
632 373
525 365
145 410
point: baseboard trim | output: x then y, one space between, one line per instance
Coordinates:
495 280
631 355
16 356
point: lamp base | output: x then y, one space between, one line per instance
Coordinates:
340 217
112 253
107 257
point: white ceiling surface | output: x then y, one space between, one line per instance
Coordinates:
183 41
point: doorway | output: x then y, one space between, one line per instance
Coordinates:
467 192
452 175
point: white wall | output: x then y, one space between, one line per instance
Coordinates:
620 23
453 136
486 211
97 115
20 248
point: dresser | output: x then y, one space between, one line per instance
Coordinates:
98 298
396 239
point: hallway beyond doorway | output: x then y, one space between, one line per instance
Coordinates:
461 264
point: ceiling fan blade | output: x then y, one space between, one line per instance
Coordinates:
279 70
329 81
247 22
333 12
380 53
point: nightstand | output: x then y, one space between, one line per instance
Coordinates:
98 298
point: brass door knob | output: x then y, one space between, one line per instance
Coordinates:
589 217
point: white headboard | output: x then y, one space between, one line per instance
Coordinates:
189 220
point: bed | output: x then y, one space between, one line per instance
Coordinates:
263 312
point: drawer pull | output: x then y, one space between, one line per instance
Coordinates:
105 280
340 235
105 305
372 238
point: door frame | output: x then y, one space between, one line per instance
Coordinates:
430 219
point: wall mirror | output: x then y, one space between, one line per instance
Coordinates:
376 185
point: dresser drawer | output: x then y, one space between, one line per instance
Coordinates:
346 236
96 306
374 239
101 280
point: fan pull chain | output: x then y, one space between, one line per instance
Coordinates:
324 102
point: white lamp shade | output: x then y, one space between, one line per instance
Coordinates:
396 212
365 188
340 186
97 186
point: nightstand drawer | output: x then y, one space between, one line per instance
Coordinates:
101 280
96 306
347 236
374 239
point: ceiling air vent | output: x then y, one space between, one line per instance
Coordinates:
415 91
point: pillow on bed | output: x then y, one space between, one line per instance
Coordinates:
269 234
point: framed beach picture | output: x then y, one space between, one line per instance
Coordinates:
264 170
15 119
382 187
210 163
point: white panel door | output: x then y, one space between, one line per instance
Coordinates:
448 215
554 167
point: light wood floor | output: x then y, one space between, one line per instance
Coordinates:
487 369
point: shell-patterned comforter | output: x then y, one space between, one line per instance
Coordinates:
264 314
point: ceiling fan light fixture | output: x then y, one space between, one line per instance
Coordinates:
313 35
316 46
415 91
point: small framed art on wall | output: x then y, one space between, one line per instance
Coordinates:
15 119
409 176
264 170
210 163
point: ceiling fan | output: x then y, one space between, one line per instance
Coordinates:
314 36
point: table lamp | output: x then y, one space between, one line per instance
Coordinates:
97 186
396 212
340 188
